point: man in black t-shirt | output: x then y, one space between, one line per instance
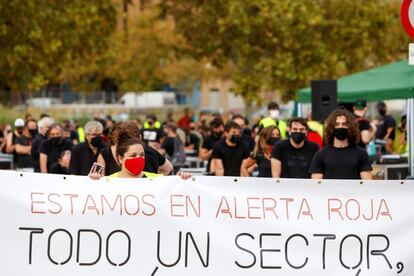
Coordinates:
291 158
51 149
43 127
229 153
86 153
24 147
11 139
206 149
245 132
367 131
342 158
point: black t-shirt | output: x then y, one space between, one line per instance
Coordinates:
152 135
263 164
153 160
53 151
209 144
249 141
15 155
39 138
295 162
82 159
56 168
341 163
193 139
169 145
384 123
232 157
363 124
24 160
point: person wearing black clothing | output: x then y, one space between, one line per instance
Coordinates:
51 148
152 133
43 127
245 132
86 153
367 132
291 158
154 161
385 123
261 155
192 140
206 149
24 147
173 147
11 140
62 165
229 153
342 158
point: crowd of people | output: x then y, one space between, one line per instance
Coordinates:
339 148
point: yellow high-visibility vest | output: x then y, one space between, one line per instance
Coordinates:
147 174
268 121
81 133
157 124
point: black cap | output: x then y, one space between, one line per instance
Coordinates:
360 104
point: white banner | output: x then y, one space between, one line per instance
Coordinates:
56 225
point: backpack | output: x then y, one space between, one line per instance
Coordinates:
178 157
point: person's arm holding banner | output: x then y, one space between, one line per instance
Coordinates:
43 163
130 154
165 168
218 167
246 164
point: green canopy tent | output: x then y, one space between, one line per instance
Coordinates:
391 81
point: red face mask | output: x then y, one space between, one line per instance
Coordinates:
135 165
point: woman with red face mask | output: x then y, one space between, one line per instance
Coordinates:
131 156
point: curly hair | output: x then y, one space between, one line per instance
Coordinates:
353 130
129 128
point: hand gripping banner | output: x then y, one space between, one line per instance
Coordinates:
71 225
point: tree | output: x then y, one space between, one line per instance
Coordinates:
152 56
52 41
278 45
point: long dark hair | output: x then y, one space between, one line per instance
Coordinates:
353 130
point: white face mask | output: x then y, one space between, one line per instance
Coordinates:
274 114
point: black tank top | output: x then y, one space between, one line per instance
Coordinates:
110 164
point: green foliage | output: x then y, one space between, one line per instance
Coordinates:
50 41
150 56
282 45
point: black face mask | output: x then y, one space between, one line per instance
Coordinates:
19 130
298 137
33 132
341 133
56 141
235 139
218 134
272 140
96 141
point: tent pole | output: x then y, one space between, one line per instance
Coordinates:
300 113
410 133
